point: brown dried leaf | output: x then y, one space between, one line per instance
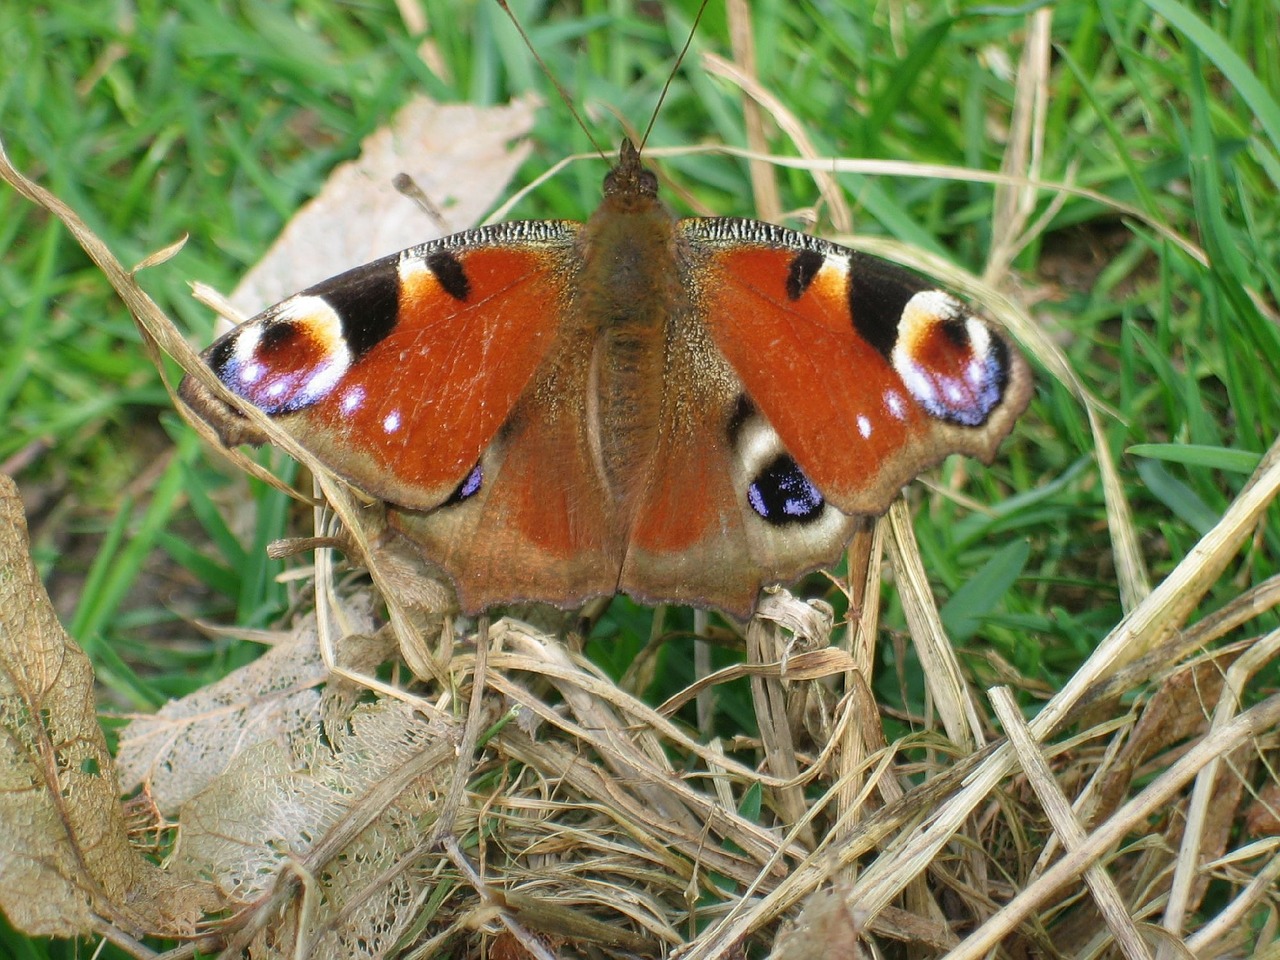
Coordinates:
65 859
1223 815
462 158
505 946
1262 818
1179 709
828 927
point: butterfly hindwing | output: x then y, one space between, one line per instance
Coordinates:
538 523
738 516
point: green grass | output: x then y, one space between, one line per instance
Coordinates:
218 121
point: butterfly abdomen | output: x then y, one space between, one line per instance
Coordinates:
630 292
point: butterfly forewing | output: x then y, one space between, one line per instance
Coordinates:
540 522
399 374
867 373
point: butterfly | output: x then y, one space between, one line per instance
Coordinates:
682 410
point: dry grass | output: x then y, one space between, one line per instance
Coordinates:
1127 817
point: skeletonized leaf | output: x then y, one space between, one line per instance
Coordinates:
350 816
181 748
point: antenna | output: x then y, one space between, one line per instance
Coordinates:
702 8
564 94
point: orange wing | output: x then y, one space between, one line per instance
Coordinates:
399 374
867 373
536 522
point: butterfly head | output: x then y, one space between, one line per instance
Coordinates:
629 182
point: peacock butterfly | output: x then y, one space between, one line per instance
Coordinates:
682 410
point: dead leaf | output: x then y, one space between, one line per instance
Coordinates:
1179 709
827 927
461 156
65 859
346 822
1263 816
180 749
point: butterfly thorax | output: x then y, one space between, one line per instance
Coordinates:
631 295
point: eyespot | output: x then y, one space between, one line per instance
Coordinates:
468 488
782 494
949 360
286 361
